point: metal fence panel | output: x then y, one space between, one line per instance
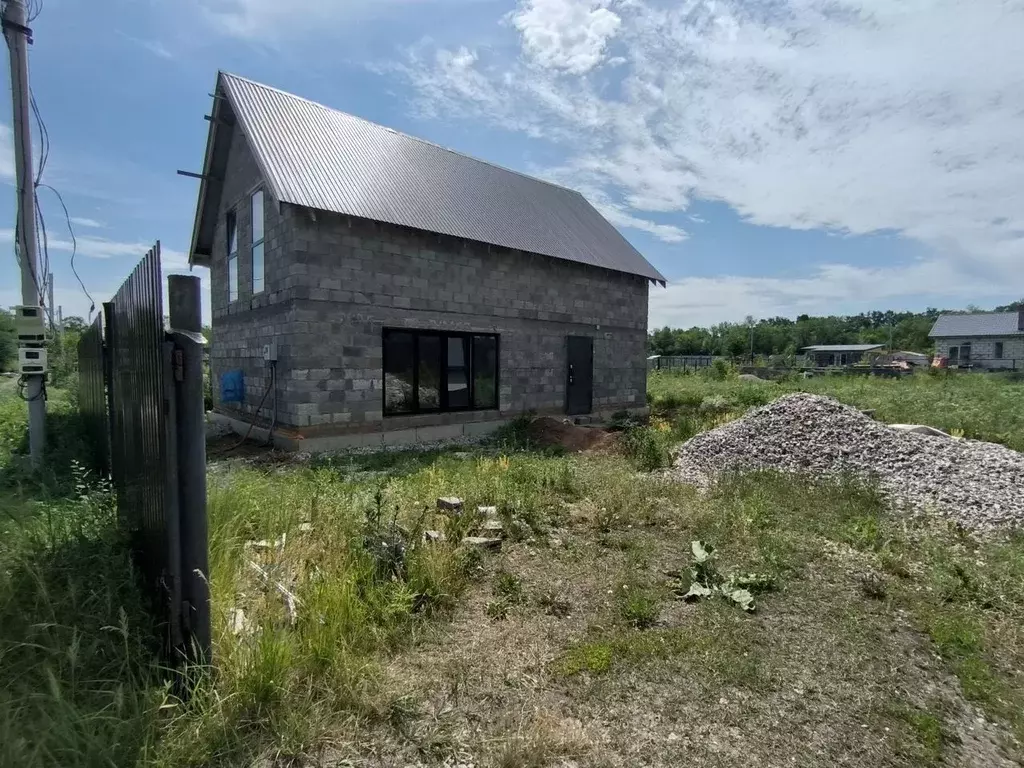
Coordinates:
92 395
679 362
139 431
141 399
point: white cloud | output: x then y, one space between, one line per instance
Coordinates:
103 248
271 21
847 115
828 289
80 221
568 35
155 47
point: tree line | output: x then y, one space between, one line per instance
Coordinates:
907 331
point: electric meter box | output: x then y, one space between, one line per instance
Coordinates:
29 325
31 360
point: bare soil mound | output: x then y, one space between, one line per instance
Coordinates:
547 432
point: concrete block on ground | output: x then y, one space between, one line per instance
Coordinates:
482 542
449 504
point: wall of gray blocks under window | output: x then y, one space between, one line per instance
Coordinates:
333 283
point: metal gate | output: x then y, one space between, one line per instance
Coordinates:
157 448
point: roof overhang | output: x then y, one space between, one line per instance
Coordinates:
211 185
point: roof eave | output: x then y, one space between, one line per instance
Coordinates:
201 248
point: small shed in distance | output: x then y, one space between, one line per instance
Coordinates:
826 355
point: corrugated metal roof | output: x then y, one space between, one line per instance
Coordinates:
843 347
318 157
977 324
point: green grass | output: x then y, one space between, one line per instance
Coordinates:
715 647
77 682
981 406
320 576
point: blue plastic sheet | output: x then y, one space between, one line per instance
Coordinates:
232 387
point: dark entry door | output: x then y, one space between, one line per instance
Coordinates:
579 388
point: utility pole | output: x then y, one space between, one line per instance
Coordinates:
18 36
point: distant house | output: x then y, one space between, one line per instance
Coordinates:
980 339
827 355
369 287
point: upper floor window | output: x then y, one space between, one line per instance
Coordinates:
258 270
232 232
999 350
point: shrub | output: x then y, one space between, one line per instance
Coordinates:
638 606
515 435
646 447
720 370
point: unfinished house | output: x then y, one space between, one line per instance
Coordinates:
371 287
984 340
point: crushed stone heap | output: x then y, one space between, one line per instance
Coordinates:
978 484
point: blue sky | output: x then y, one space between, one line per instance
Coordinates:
770 157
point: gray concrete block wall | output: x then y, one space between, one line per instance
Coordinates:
333 284
359 277
983 350
242 327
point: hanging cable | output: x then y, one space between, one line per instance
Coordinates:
44 156
255 415
74 245
44 137
21 391
17 255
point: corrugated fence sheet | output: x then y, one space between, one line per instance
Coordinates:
92 395
139 429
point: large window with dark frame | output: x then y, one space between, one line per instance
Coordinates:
431 371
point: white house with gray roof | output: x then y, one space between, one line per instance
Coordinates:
404 291
980 339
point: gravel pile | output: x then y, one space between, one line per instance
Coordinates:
978 484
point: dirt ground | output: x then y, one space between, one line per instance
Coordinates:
546 432
820 675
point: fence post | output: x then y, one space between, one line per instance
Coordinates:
183 295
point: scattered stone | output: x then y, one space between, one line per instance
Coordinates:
433 535
487 511
305 527
237 623
976 484
493 527
449 504
751 377
482 542
264 544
